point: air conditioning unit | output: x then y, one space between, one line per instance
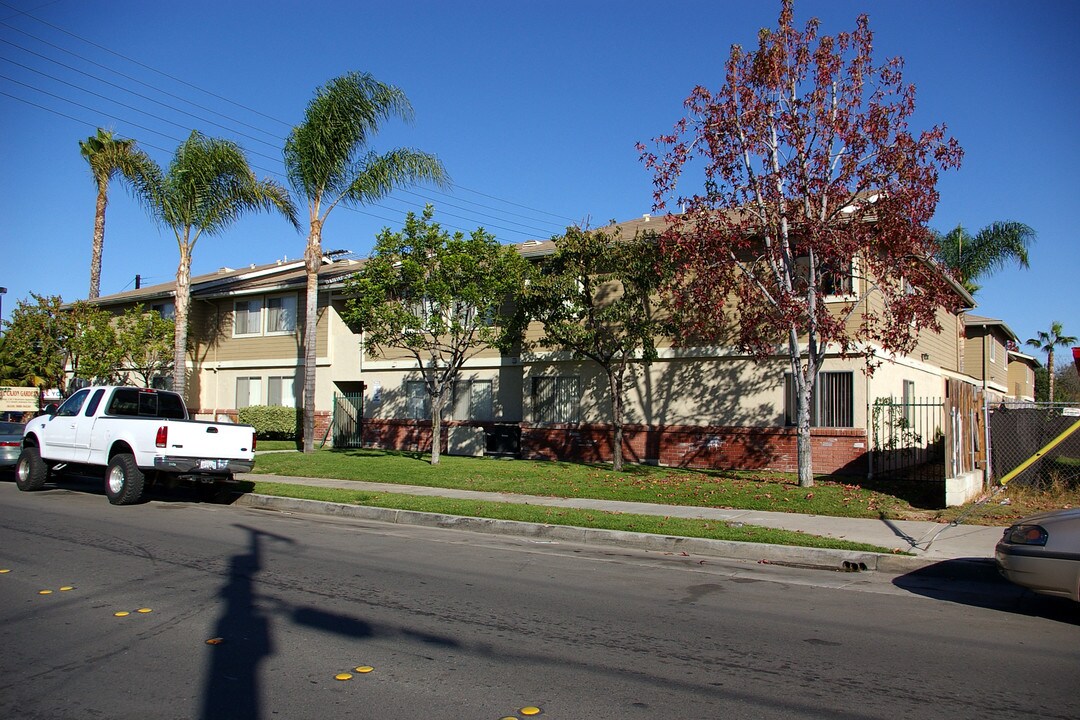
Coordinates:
464 440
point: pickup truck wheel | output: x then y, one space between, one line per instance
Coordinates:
124 481
31 471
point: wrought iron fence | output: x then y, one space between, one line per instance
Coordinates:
348 420
1035 444
908 440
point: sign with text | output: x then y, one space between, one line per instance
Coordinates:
19 399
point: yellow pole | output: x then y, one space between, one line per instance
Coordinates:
1045 449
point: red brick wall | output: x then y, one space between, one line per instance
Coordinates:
836 450
839 450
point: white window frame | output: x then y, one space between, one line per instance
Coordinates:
283 401
258 302
416 392
469 401
267 309
254 389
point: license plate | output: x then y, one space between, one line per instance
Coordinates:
213 464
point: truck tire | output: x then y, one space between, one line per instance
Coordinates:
31 471
124 481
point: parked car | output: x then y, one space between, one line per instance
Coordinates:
139 436
1042 552
10 443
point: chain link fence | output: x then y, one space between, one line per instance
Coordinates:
1020 433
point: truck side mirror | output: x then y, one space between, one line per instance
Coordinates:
50 409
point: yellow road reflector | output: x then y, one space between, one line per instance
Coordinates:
508 717
343 676
67 587
215 641
4 570
144 610
44 592
364 669
530 710
122 613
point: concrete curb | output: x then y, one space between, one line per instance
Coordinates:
837 560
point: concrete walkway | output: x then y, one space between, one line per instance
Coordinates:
926 542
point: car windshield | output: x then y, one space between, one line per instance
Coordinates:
10 428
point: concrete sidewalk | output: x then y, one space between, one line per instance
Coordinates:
927 542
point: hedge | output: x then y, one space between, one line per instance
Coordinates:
272 422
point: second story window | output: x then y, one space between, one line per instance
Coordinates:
165 309
281 314
247 317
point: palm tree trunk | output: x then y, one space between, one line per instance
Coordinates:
183 300
99 238
1050 373
312 263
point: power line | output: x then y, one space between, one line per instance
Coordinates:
500 211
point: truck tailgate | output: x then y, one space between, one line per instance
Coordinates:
195 438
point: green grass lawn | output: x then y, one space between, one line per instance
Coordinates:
565 516
636 483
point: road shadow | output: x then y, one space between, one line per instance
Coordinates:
977 583
242 637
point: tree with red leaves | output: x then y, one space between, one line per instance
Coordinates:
811 230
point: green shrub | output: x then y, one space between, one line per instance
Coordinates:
271 422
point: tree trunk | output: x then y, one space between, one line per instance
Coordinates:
615 387
436 426
98 243
803 390
312 263
183 302
1050 374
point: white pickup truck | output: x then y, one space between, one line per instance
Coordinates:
139 436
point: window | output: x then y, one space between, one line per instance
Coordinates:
417 402
166 310
247 316
909 400
132 402
92 406
836 281
556 399
73 404
993 348
281 314
248 392
472 400
280 391
832 403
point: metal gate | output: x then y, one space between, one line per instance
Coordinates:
348 420
908 439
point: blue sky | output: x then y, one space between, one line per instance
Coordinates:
534 107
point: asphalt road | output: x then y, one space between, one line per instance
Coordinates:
458 626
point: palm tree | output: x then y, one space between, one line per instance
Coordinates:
328 163
1046 342
987 252
207 187
108 156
